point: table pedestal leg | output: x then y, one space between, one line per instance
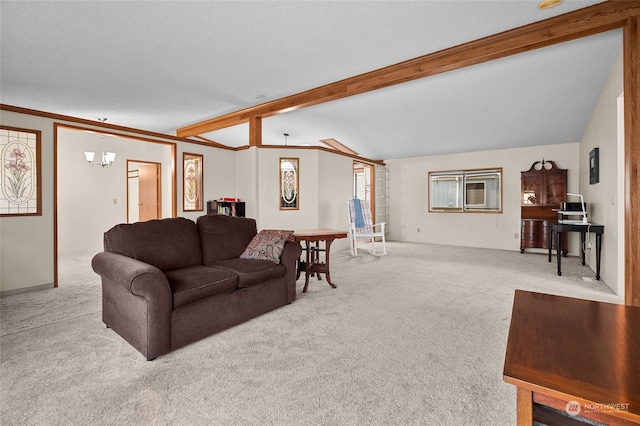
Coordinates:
313 265
307 265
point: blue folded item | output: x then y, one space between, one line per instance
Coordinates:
357 210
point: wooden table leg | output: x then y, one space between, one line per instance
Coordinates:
316 266
550 241
559 251
307 266
524 407
598 254
327 246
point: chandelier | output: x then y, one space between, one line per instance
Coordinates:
106 158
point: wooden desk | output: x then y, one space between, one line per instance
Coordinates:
556 230
575 356
312 264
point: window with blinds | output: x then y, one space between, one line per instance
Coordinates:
466 191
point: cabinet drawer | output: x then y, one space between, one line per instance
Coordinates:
534 233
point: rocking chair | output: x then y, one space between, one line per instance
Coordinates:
362 230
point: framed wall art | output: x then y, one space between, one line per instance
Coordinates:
594 166
289 196
20 172
192 165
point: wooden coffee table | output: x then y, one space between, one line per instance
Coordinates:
579 357
312 265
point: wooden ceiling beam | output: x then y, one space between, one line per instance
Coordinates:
338 146
255 131
570 26
211 142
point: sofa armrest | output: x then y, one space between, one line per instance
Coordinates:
290 253
136 277
136 302
289 258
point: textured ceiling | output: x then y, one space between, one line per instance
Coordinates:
162 65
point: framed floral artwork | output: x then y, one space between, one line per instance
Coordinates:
289 196
192 165
20 172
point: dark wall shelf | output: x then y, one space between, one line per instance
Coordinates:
228 208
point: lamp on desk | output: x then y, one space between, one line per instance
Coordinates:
584 210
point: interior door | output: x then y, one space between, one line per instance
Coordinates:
149 192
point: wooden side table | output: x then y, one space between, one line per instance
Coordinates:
312 265
579 357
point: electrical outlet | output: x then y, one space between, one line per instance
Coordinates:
115 201
418 230
516 235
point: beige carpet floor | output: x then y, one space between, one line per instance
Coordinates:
413 338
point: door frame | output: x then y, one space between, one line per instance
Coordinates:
87 126
158 185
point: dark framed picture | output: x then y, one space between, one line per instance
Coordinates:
594 166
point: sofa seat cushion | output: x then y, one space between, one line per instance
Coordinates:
198 282
251 271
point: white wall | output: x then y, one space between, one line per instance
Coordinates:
247 181
26 247
85 202
604 197
92 199
219 174
335 189
26 243
325 181
268 171
409 192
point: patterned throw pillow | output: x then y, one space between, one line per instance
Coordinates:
267 245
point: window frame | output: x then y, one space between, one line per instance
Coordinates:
465 176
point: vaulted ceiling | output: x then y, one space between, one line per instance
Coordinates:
162 66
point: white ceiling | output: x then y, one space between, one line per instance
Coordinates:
160 66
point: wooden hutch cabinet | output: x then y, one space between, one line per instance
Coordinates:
543 190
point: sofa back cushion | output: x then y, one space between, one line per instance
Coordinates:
164 243
224 237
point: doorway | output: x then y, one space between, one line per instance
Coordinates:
363 183
371 185
90 199
144 191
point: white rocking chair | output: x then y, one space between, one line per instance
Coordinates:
362 230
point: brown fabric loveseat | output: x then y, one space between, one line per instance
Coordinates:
170 282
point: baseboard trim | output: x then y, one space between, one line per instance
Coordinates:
26 289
